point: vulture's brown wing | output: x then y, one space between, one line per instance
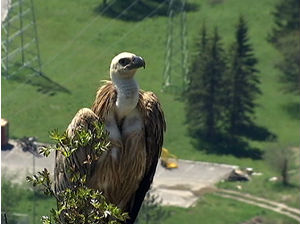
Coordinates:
84 119
155 126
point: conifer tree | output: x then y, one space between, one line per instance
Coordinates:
215 75
194 89
241 81
286 19
289 65
204 94
285 37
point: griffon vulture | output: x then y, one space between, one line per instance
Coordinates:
135 122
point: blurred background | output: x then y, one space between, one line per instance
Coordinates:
226 73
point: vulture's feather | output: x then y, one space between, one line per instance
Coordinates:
125 172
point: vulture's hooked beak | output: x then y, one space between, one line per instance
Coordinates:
137 62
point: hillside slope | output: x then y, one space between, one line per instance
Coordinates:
77 45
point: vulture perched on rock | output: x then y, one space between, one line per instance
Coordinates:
135 123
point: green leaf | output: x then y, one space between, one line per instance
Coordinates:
78 204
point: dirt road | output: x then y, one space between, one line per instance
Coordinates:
261 202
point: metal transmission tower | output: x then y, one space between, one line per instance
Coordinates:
176 65
20 47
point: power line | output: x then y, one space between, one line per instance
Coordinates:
77 36
96 59
70 42
107 25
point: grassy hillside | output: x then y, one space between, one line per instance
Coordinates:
77 45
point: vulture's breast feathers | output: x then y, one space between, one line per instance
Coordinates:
124 165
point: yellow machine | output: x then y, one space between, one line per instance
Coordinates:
168 160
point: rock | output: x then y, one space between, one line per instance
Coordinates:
257 174
273 179
238 175
249 171
239 187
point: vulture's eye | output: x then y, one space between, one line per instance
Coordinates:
124 61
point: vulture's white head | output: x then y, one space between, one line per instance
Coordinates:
125 65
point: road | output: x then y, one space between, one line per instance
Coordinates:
261 202
183 186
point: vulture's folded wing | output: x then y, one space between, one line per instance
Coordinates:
155 126
84 119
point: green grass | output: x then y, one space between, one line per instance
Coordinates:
276 191
212 209
20 202
209 209
261 186
42 207
77 46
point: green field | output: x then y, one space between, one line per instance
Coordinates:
77 45
209 209
214 209
21 204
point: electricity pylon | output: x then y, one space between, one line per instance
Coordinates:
175 77
20 46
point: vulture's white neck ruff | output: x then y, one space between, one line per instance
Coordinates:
127 95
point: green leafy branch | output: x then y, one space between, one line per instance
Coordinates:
78 203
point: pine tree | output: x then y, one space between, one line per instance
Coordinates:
200 53
286 19
204 94
289 64
241 81
285 37
194 90
216 69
